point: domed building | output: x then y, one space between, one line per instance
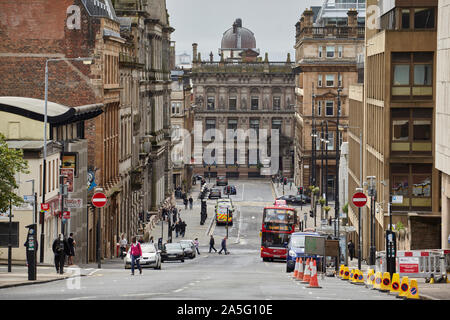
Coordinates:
237 40
237 98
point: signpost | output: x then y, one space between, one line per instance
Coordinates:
99 200
359 199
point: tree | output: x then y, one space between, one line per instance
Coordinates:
11 163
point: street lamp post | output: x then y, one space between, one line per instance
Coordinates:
372 193
44 171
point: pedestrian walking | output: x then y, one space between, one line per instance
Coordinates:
177 228
351 249
211 244
185 202
123 246
71 243
224 246
196 243
151 240
182 228
59 253
174 215
136 253
191 202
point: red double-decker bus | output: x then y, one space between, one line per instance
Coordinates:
277 224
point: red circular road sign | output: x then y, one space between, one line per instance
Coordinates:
45 206
359 199
99 200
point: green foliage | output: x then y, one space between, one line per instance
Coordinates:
11 163
316 190
322 201
399 226
327 208
345 208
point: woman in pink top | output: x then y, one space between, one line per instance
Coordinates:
135 253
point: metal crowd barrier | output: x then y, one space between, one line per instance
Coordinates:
417 263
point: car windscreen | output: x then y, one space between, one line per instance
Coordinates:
185 245
172 246
148 249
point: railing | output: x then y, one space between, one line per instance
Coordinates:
332 31
208 66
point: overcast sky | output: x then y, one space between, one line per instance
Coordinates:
205 21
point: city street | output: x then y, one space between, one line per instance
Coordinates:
210 276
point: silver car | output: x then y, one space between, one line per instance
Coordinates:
151 257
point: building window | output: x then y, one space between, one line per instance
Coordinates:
319 81
329 108
340 80
211 101
254 103
232 103
330 51
319 108
320 51
411 130
405 18
210 124
232 127
330 145
424 18
330 80
412 75
276 125
276 103
254 126
413 182
340 51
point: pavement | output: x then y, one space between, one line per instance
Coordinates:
47 273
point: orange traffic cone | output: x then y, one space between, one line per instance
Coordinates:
314 282
307 275
300 270
296 268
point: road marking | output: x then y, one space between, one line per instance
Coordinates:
80 298
142 294
178 290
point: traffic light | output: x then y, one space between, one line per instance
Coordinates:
148 216
285 181
300 190
311 213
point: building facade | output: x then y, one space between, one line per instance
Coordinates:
241 91
328 42
396 109
443 116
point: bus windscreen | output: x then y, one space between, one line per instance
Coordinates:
278 216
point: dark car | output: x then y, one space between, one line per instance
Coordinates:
215 193
295 200
221 181
197 177
232 190
172 252
189 248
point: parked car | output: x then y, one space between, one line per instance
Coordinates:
172 252
232 190
189 248
296 200
221 181
197 177
151 257
215 193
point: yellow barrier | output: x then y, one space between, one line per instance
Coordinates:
346 274
370 278
395 285
378 279
413 292
404 288
386 282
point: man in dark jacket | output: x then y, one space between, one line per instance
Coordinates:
224 246
177 228
182 228
211 244
60 247
351 249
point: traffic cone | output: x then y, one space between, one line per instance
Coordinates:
307 274
296 268
360 280
346 274
386 282
370 278
413 292
314 282
300 270
395 285
350 277
404 288
341 271
378 279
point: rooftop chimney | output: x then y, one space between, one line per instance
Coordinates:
194 52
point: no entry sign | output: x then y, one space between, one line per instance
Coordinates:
99 200
359 199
